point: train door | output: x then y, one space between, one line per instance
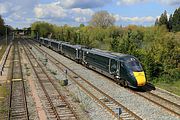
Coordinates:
113 67
123 71
59 47
80 54
77 53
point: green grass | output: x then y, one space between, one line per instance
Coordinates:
3 92
3 101
171 87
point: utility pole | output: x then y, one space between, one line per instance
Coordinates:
6 35
13 35
37 35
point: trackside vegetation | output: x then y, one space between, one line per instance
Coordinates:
157 47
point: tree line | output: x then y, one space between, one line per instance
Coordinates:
156 47
172 23
2 26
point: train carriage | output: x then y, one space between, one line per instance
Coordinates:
104 63
56 45
71 51
41 40
47 42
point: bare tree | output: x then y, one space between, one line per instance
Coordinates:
102 19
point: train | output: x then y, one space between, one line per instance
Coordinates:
123 68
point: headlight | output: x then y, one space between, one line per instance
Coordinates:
131 73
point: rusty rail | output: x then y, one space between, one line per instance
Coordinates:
17 100
44 89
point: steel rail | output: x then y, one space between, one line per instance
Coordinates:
159 102
60 94
11 77
42 86
100 102
21 90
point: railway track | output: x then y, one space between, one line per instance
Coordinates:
96 94
55 103
160 101
17 101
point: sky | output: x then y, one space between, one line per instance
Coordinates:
22 13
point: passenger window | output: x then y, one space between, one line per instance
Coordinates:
113 66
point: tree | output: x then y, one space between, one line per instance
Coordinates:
176 20
170 22
2 27
163 20
157 22
81 25
102 19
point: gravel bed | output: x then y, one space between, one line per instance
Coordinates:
94 111
139 105
30 102
42 96
87 105
169 96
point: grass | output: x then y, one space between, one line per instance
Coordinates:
171 87
3 93
3 102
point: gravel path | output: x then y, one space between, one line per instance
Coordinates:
139 105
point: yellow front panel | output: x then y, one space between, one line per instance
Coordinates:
140 77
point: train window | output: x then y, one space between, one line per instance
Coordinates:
134 65
113 66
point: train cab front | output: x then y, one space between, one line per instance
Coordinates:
137 74
140 78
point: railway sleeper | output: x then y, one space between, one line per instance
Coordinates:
18 114
17 107
65 113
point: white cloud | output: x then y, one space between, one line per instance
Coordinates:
170 2
52 10
134 19
5 7
2 9
16 16
15 11
129 2
83 3
80 11
81 19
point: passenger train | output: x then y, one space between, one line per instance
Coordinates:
122 68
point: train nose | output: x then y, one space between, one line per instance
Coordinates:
140 77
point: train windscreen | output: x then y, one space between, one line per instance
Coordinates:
134 65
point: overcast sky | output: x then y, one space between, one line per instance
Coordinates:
21 13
